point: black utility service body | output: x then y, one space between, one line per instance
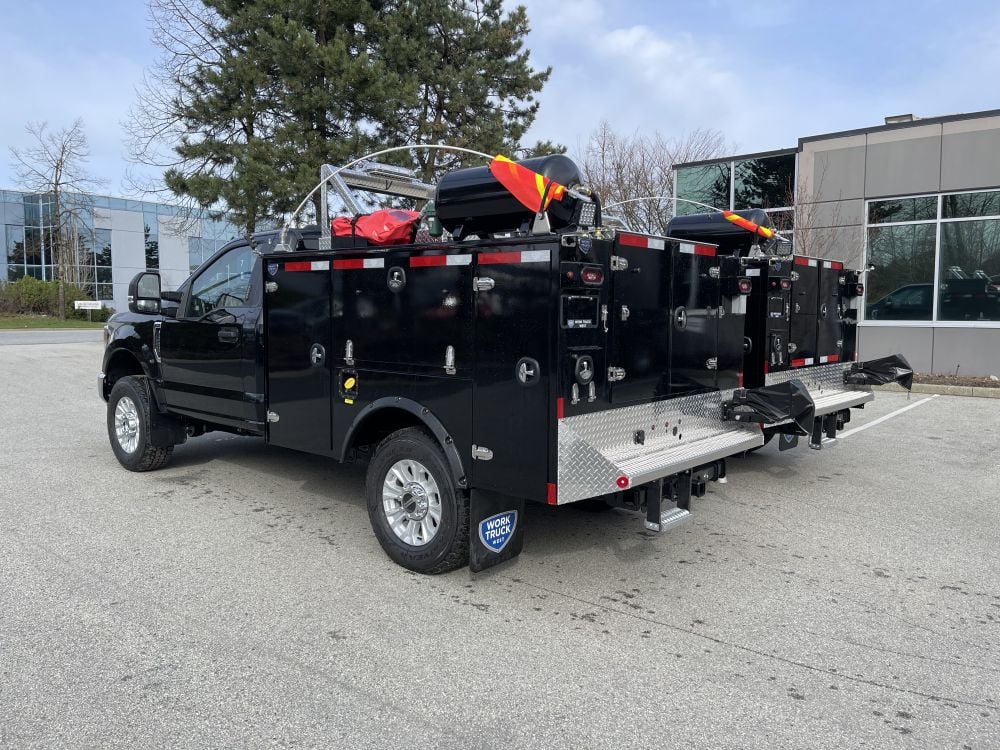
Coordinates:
530 357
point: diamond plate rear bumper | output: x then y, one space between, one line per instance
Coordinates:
826 386
595 450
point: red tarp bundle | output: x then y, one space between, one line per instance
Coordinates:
390 226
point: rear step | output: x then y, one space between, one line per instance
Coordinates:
668 519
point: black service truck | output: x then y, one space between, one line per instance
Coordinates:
529 356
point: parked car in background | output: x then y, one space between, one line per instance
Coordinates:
959 299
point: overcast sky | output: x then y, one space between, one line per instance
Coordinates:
762 73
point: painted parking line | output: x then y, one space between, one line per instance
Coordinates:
890 415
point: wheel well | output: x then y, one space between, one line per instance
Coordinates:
121 364
380 424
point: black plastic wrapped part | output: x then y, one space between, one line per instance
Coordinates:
472 201
771 404
891 369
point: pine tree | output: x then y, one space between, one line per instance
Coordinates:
473 82
259 93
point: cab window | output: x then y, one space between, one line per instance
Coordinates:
223 284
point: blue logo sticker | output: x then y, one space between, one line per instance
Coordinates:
496 531
272 269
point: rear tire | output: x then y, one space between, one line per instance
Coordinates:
129 426
419 516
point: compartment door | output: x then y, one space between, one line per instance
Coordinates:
804 307
639 321
514 335
830 327
298 357
694 321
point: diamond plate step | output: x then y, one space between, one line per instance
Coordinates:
669 518
837 400
662 463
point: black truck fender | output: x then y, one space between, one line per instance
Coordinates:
128 355
417 415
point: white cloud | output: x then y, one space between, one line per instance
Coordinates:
742 77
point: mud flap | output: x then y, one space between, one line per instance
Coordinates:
891 369
496 531
772 404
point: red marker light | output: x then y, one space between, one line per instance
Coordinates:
786 284
745 286
591 275
622 482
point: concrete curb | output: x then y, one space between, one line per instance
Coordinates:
943 390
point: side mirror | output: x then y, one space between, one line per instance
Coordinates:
144 293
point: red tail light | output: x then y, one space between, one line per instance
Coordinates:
591 275
786 284
745 286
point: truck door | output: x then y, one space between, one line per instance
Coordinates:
694 319
208 351
639 318
297 344
830 334
804 307
514 335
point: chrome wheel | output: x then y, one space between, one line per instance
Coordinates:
127 424
411 501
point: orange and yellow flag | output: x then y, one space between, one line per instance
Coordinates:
527 186
748 225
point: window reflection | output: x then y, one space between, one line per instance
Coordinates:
970 264
707 184
765 183
902 286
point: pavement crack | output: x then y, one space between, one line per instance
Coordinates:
897 652
764 654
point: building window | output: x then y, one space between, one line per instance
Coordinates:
152 240
102 264
901 288
15 252
937 258
707 184
768 182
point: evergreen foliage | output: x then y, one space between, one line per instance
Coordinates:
271 89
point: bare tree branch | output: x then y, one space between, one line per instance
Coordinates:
54 166
626 167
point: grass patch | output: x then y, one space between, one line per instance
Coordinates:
8 322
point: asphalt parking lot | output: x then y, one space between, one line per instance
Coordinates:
843 598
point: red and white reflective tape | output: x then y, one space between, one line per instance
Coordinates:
802 362
424 261
521 256
355 263
829 358
802 261
641 240
836 265
697 249
308 265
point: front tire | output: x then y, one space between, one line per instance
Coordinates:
418 515
129 426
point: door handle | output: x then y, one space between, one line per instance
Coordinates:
228 335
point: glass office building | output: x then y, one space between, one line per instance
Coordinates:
105 241
918 199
